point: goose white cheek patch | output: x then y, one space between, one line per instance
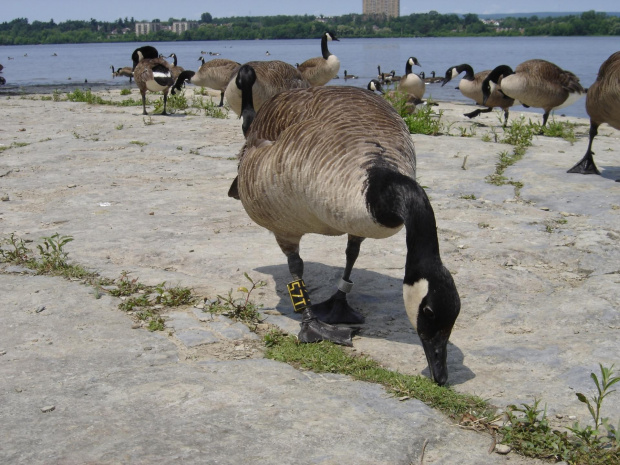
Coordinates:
413 296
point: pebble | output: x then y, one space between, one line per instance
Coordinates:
48 409
5 198
40 308
2 352
502 449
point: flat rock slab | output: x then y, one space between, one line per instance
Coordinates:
537 270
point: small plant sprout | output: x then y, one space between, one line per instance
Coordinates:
241 309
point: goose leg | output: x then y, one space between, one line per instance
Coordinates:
505 118
165 100
221 99
144 104
586 165
336 309
475 113
544 125
312 330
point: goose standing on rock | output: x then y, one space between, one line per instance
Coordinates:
126 71
308 167
603 106
471 87
411 83
214 74
319 71
535 83
272 77
151 73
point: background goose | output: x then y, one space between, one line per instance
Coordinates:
411 83
320 70
126 71
431 80
151 73
603 106
307 167
175 68
272 77
348 76
535 83
214 74
471 87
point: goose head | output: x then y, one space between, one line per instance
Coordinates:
375 86
142 53
245 79
433 304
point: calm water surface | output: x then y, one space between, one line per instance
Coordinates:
50 66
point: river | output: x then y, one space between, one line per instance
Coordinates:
47 67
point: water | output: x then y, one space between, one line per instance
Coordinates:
47 67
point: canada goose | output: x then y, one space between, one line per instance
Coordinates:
151 73
272 77
471 87
410 103
214 74
348 76
411 83
375 86
603 106
267 53
306 167
433 79
320 70
124 71
535 83
175 68
2 81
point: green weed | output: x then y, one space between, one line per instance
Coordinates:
424 121
241 309
125 91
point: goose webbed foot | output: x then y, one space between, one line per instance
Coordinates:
313 330
585 166
336 310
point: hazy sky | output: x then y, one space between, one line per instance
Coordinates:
109 10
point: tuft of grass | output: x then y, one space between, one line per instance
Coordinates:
325 357
528 431
424 121
468 197
563 129
125 91
137 142
241 309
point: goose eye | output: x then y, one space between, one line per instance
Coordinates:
428 312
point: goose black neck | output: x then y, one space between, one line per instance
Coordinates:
324 49
408 68
246 77
501 70
395 199
469 71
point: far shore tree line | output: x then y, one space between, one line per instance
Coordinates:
432 24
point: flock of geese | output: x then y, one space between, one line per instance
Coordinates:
307 166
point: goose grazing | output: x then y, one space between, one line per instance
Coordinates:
151 73
411 83
126 71
603 106
308 167
320 70
214 74
535 83
471 87
272 77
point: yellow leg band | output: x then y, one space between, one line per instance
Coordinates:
299 295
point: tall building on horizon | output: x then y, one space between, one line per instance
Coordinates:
378 7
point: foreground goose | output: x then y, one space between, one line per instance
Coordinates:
603 106
320 70
151 73
535 83
272 77
411 83
471 87
214 74
308 167
126 71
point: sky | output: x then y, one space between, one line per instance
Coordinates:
110 10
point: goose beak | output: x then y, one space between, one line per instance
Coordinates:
445 81
436 350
